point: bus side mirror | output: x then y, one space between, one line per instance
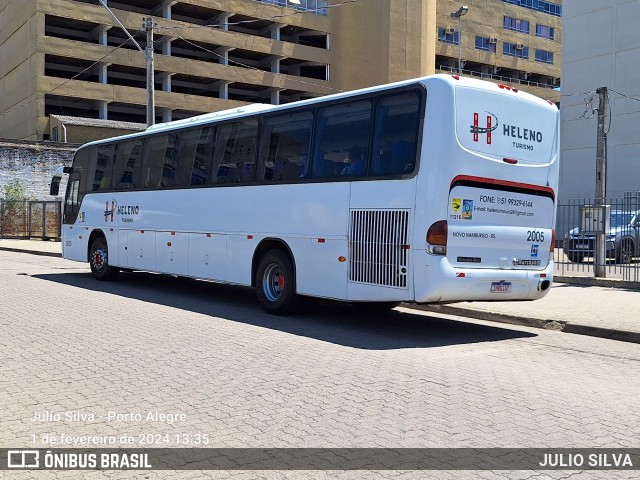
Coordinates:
54 189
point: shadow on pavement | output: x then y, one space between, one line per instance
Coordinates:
333 322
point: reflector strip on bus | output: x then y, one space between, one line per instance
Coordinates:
504 185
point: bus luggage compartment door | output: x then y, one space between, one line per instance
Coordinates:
172 249
140 248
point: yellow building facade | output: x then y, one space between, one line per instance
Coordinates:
70 58
515 42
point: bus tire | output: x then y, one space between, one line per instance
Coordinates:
99 261
276 283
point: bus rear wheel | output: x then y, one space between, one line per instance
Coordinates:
276 284
99 261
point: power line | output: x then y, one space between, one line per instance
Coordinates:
625 96
575 94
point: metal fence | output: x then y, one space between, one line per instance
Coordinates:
499 78
30 219
577 222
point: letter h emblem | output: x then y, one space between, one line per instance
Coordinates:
477 130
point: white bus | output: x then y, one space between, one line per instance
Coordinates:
433 190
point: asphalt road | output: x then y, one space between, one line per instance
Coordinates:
213 365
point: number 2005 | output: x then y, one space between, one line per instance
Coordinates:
535 236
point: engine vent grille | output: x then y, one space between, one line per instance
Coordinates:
378 247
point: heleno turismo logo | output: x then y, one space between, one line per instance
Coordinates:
491 124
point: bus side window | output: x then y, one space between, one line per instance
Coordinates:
104 158
342 140
286 141
197 171
127 165
155 149
172 152
235 152
397 121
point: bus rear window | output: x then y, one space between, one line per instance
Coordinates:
501 125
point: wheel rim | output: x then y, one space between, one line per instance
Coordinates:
273 282
99 258
627 252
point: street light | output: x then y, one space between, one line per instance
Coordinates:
458 14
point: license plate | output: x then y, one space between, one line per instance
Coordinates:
500 287
582 246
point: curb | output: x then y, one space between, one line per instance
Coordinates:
561 326
32 252
597 282
490 316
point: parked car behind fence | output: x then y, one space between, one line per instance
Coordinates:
622 239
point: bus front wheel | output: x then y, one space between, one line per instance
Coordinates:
99 261
276 284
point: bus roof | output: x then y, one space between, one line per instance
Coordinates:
239 112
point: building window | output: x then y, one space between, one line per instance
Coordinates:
544 56
515 50
486 44
538 5
545 32
516 24
448 35
54 134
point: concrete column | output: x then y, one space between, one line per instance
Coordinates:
103 35
223 90
167 115
103 73
275 31
166 46
165 78
275 65
166 10
103 110
275 97
223 20
223 53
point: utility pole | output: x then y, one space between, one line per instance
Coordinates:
147 24
600 258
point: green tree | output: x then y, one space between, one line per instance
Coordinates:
15 191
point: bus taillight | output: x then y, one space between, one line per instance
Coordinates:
553 240
437 238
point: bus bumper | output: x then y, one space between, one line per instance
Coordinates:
439 282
